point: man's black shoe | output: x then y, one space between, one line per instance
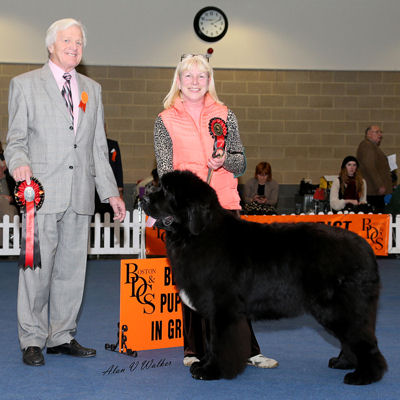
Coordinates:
72 349
32 355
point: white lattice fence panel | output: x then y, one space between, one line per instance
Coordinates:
105 237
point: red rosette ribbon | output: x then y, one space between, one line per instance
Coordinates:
218 130
30 198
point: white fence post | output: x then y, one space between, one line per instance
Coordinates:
394 235
10 231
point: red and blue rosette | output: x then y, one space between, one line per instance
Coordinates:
30 198
218 130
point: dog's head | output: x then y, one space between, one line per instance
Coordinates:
184 202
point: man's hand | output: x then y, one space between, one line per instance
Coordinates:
118 207
23 173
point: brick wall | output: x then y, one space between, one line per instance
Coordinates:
303 122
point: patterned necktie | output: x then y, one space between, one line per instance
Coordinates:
67 94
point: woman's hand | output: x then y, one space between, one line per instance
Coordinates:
216 162
260 199
354 202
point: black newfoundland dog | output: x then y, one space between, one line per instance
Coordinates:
232 270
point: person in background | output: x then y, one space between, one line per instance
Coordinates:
9 178
182 141
114 157
349 189
6 195
392 201
145 186
375 168
56 133
154 184
261 192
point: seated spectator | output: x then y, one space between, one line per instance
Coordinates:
349 189
261 192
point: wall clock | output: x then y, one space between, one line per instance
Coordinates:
210 24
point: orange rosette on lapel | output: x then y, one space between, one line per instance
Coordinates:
84 100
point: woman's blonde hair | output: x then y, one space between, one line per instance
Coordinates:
188 62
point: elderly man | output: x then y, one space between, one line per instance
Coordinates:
56 134
374 167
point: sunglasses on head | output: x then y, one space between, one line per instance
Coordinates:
185 56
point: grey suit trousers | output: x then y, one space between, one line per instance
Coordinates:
50 297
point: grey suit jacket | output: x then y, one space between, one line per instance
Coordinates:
40 135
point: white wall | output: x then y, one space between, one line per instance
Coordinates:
283 34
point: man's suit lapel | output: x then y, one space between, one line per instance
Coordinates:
50 85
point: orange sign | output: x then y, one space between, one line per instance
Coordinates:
374 228
150 306
155 242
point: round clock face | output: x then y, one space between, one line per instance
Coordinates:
210 24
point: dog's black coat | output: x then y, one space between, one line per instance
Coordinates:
233 270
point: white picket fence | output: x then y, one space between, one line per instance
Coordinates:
127 237
105 237
394 235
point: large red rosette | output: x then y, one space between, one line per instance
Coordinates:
218 130
30 198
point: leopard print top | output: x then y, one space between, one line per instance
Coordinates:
235 158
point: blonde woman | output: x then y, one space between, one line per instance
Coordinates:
183 141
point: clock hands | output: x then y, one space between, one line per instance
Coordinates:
213 22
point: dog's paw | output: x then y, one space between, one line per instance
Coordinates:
340 363
205 372
357 378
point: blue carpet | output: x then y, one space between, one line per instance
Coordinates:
300 345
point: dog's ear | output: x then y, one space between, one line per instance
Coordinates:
198 218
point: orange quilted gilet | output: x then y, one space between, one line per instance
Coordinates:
192 148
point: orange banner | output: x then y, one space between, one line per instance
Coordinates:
150 306
374 228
